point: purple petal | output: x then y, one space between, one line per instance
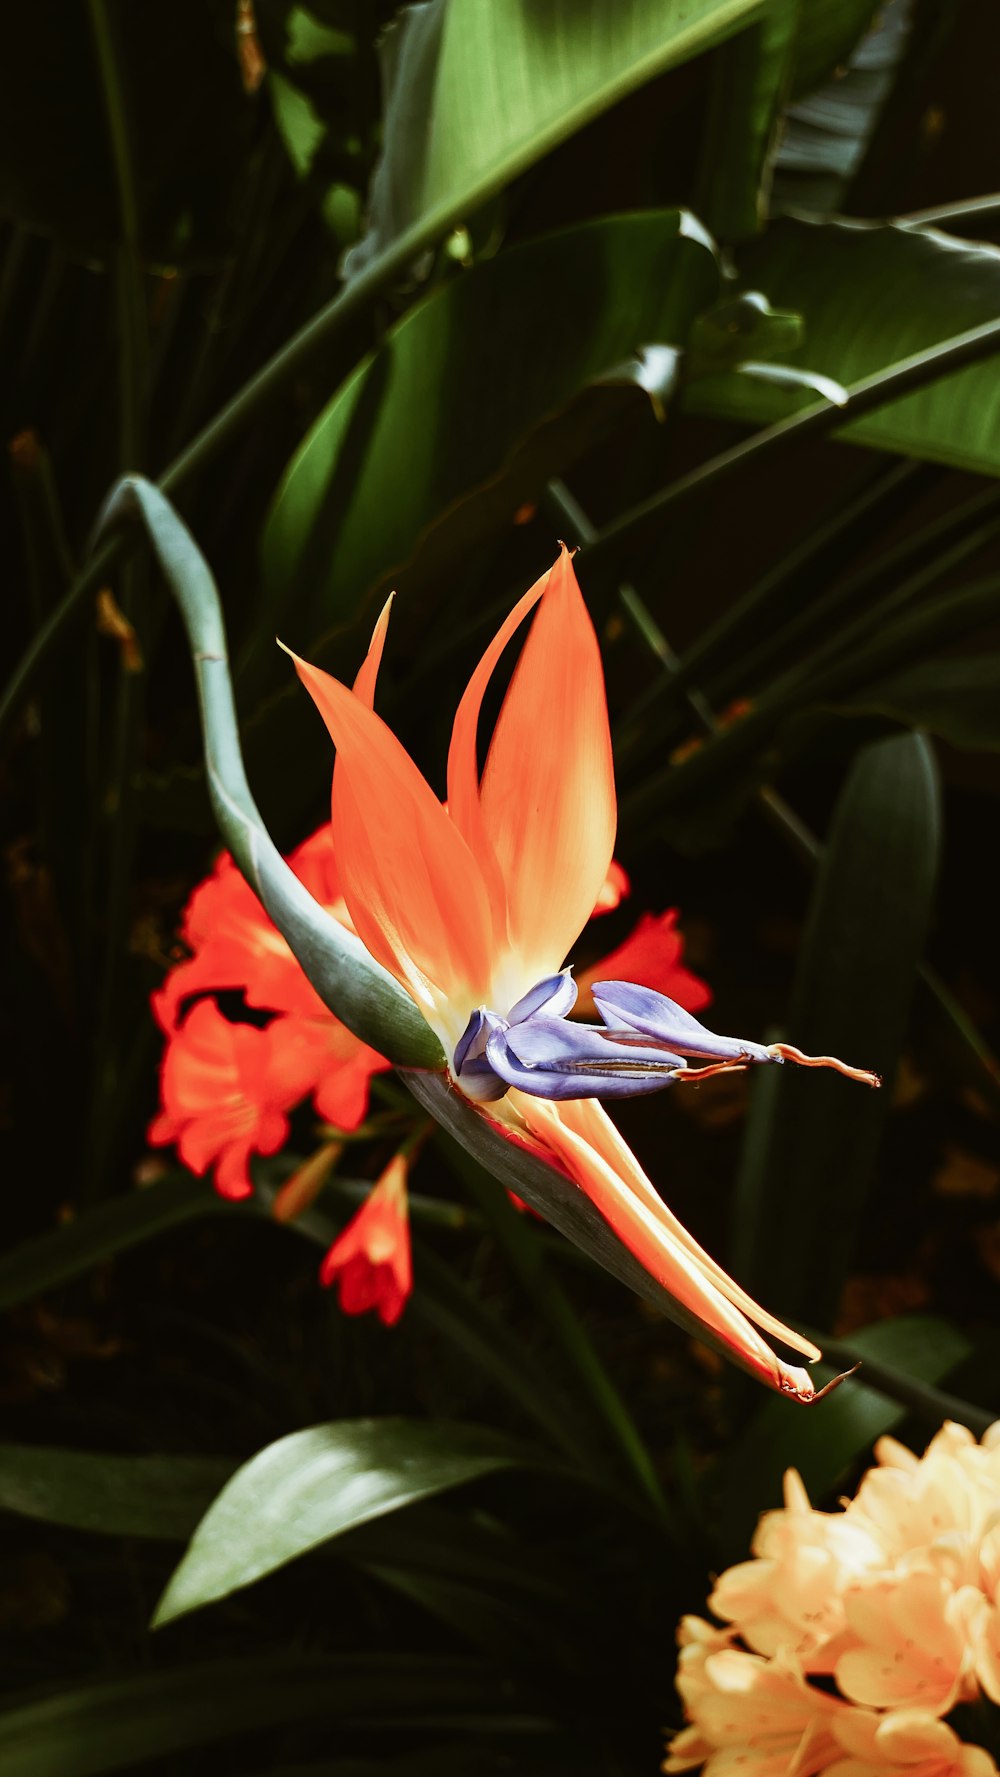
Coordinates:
623 1005
470 1064
552 1059
472 1041
555 996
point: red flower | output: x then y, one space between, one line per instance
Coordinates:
651 956
227 1088
370 1261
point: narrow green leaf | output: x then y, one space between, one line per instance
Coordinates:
189 161
872 294
478 92
100 1233
957 699
312 1485
808 1164
149 1496
108 1727
824 1444
486 373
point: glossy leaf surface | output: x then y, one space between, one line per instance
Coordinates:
148 1496
870 294
504 84
472 402
312 1485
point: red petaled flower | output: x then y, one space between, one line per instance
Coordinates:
651 955
227 1088
370 1261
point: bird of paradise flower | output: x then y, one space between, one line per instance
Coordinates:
465 912
474 904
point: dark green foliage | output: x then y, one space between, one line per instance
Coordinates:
471 1537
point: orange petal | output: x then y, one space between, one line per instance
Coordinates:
364 684
463 763
413 889
591 1122
585 1140
548 791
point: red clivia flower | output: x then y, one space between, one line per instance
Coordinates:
370 1261
227 1088
474 904
652 955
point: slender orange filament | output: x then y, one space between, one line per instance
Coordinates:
705 1073
788 1053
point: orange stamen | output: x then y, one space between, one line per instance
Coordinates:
862 1074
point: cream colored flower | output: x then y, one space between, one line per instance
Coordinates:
908 1742
746 1714
896 1598
936 1507
790 1596
910 1644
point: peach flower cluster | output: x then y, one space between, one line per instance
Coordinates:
851 1635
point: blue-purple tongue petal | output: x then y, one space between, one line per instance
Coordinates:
552 1059
624 1006
555 996
471 1066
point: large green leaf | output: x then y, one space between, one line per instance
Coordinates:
751 135
149 1496
445 420
812 1140
315 1484
823 1445
478 92
828 31
107 1727
826 132
870 294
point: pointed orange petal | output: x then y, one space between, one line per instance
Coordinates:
463 764
593 1155
364 684
588 1118
412 887
548 790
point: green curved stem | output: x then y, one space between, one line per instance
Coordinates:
356 988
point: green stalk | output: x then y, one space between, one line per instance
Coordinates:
745 673
764 603
119 812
